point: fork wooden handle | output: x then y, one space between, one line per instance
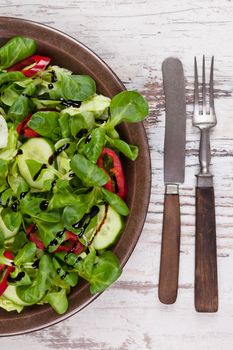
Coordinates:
206 281
170 250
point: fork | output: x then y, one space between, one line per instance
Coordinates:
206 281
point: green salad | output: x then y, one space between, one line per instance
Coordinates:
62 183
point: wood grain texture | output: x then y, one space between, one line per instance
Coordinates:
133 37
170 250
206 279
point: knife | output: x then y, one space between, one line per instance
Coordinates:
174 166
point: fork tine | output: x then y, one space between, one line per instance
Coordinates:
211 98
203 87
196 94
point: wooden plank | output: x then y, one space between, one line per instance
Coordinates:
134 37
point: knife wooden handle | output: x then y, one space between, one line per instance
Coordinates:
206 280
170 250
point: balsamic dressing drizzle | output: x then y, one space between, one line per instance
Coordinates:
81 133
57 152
44 205
88 139
73 248
53 184
70 103
71 174
78 259
53 77
35 177
83 222
60 234
52 243
14 206
22 195
66 257
35 265
18 278
19 152
64 275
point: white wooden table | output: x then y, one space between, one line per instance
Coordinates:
133 37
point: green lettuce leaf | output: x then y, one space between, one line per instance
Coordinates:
46 123
15 50
89 173
93 149
116 202
128 106
100 271
97 104
58 301
9 305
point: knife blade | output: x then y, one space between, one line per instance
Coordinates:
174 173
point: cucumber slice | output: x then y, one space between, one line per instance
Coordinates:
109 231
39 150
95 224
61 142
6 232
10 293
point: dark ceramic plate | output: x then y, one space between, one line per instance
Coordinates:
70 53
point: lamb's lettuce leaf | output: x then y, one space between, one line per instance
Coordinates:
89 173
116 202
25 254
33 293
15 50
94 147
97 104
46 123
100 271
130 151
20 109
58 301
128 106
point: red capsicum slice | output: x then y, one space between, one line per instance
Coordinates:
24 130
32 236
116 171
72 245
6 270
31 65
